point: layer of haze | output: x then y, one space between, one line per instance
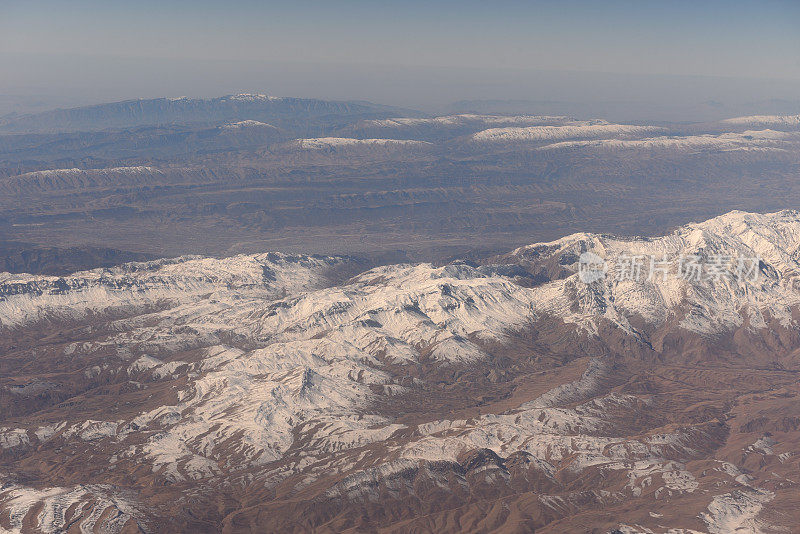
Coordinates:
648 60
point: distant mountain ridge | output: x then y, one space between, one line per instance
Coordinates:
184 110
19 257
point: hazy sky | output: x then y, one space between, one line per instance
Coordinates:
113 49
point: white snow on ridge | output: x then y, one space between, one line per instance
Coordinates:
321 143
545 427
72 178
104 509
736 512
140 169
551 435
13 437
250 97
765 120
144 363
564 436
581 389
547 133
26 298
246 124
748 140
467 119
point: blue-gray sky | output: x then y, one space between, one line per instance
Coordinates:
113 49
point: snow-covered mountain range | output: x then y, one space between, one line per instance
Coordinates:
510 394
